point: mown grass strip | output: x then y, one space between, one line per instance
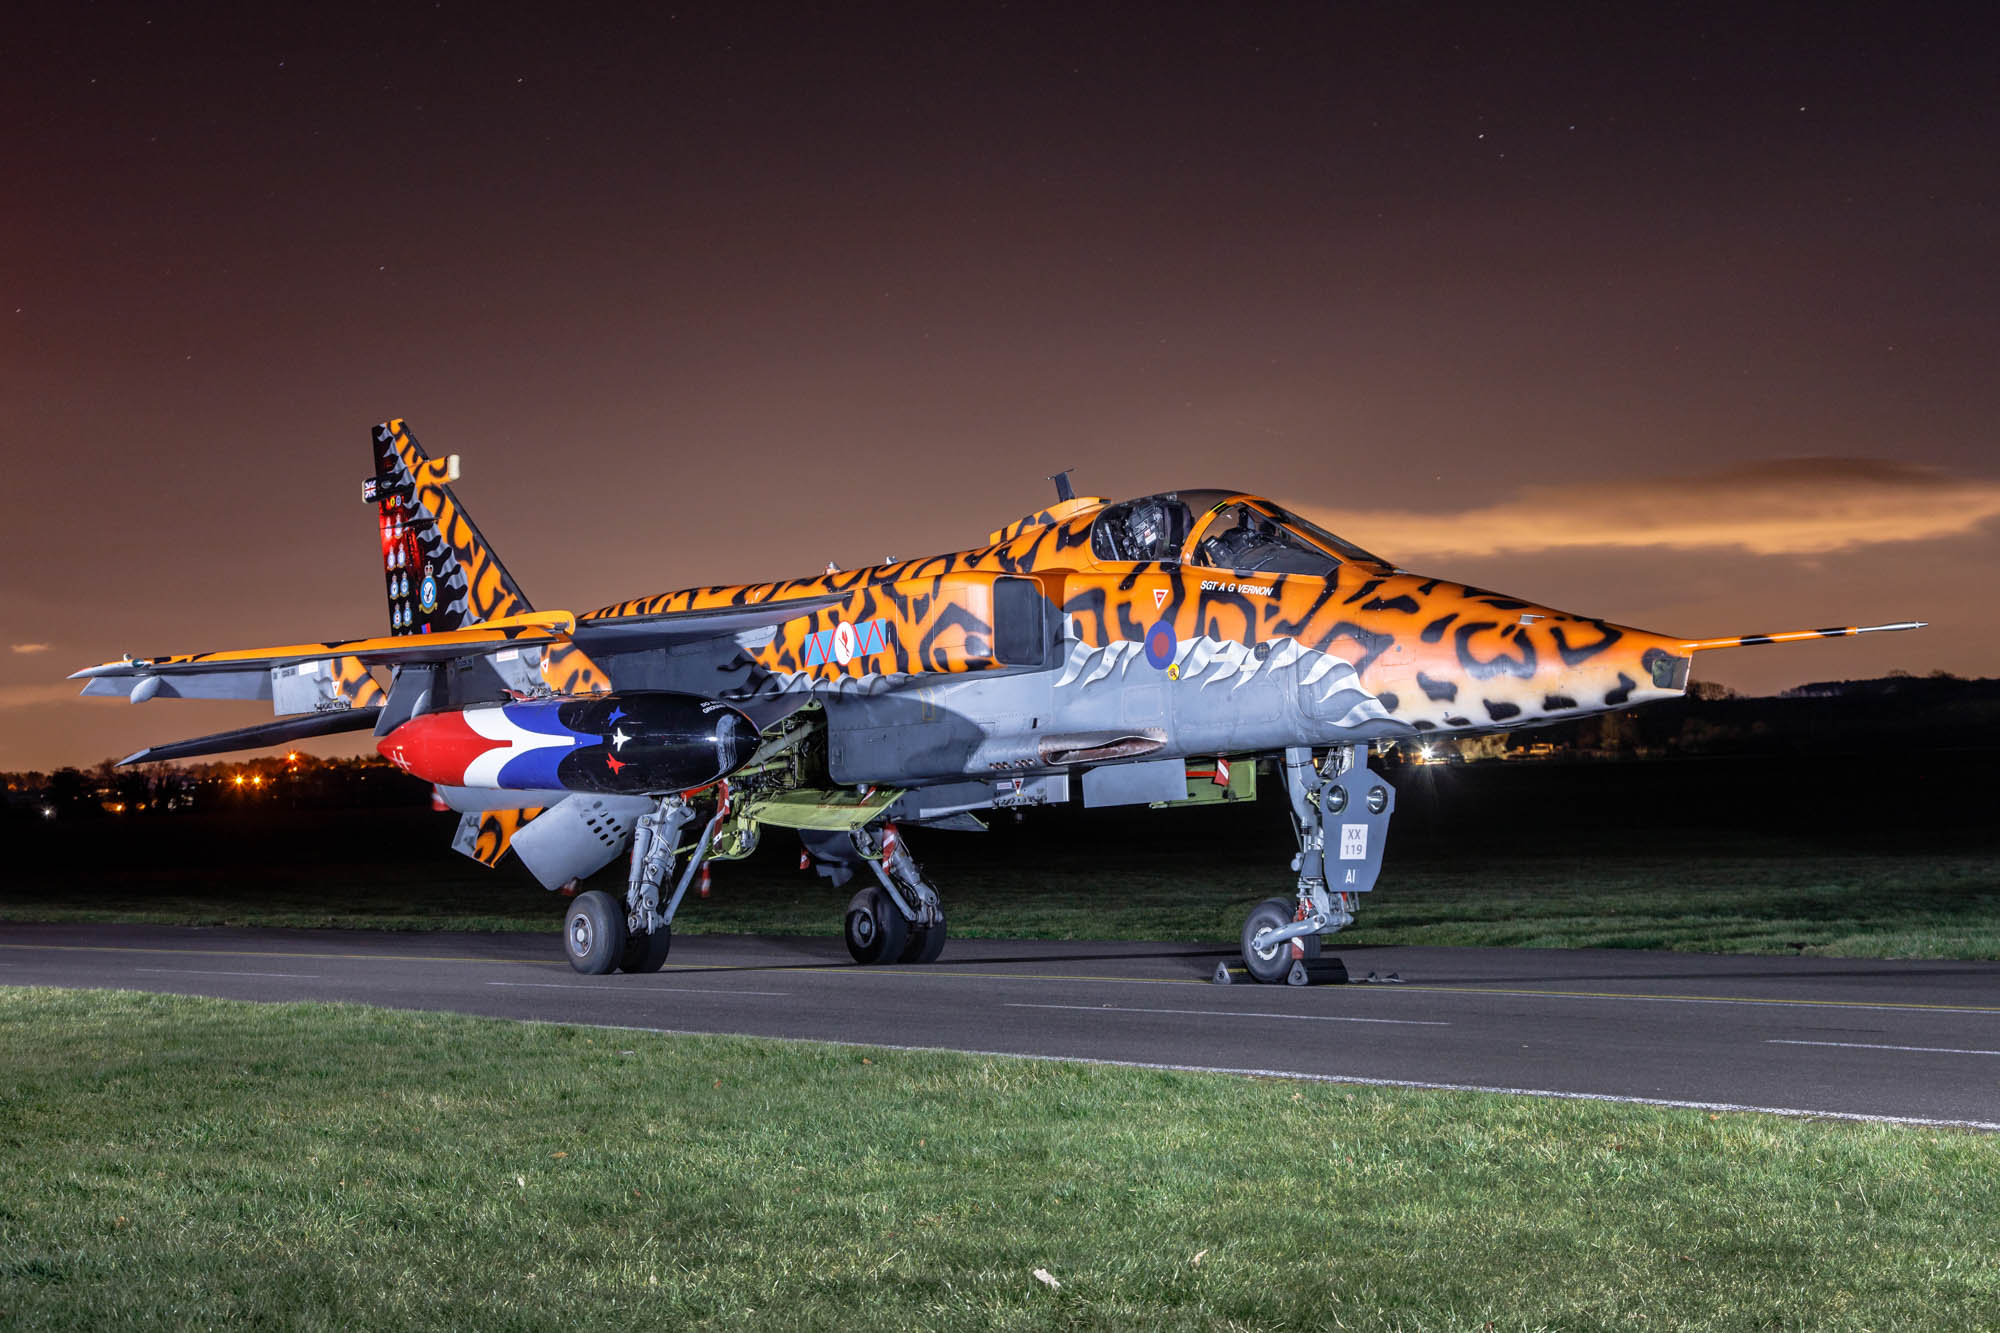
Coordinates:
1708 899
168 1161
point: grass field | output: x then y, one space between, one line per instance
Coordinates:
177 1162
1149 875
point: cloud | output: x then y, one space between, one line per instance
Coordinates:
31 647
1800 506
36 696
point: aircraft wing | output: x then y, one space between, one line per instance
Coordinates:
281 732
667 628
312 671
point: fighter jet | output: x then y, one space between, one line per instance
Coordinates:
1148 651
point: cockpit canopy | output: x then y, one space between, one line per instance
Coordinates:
1220 530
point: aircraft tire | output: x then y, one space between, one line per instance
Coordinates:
1269 915
594 932
876 931
646 953
924 944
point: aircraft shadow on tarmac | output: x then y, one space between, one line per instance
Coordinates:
819 959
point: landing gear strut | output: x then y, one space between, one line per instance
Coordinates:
899 920
1344 794
601 933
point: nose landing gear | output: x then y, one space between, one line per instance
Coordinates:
1342 794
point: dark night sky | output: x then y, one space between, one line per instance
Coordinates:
1681 316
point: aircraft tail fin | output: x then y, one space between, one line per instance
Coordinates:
441 573
1792 636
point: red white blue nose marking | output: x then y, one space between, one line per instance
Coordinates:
509 746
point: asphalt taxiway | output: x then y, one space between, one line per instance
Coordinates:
1846 1037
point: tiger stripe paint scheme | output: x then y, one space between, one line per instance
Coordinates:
1172 628
1435 655
424 529
352 682
492 832
1429 655
426 534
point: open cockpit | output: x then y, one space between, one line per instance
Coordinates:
1220 529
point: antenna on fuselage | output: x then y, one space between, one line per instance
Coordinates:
1064 491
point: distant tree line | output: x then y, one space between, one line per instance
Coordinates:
147 790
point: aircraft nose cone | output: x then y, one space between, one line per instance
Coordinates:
1488 662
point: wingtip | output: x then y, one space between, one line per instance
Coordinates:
134 757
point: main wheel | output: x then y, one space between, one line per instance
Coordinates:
925 942
876 931
646 953
1273 963
594 932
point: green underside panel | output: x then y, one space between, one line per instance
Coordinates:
836 811
1206 791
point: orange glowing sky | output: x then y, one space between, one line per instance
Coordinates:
1678 318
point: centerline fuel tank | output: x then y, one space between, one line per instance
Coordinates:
641 743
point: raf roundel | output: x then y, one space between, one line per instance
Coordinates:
1160 644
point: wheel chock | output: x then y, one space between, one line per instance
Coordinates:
1222 977
1317 972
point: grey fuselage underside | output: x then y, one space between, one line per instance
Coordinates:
917 730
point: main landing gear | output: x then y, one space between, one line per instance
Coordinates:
1342 794
900 919
601 934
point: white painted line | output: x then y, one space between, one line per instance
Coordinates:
1238 1013
1709 999
1356 1080
627 989
1874 1046
211 972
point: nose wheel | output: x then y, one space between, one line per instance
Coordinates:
1340 809
1272 963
